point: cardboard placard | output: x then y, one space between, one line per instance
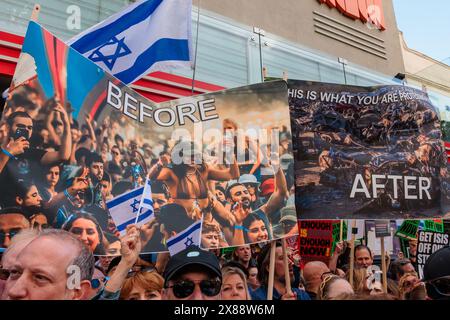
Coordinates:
315 240
428 243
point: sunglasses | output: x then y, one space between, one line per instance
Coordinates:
96 283
4 274
9 234
441 285
133 272
183 289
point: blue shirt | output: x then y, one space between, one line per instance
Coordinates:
261 294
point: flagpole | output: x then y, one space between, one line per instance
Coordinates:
35 13
196 47
273 247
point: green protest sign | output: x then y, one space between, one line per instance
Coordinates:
435 225
408 229
336 233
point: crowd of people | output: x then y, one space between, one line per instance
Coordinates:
58 240
56 264
58 169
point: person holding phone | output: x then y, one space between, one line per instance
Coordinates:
19 159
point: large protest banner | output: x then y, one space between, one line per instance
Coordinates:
428 243
82 144
315 240
366 152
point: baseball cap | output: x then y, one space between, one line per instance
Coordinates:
288 214
192 255
268 187
437 264
248 179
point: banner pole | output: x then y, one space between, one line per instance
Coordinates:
352 253
35 13
271 270
383 265
287 277
196 48
341 230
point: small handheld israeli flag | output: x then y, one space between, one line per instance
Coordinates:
124 209
190 236
146 212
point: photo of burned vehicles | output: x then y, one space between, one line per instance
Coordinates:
366 161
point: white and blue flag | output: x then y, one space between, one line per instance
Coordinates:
182 240
148 35
125 208
146 204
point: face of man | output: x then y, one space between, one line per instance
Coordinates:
210 240
10 225
159 200
39 272
197 294
96 170
407 268
363 258
86 231
239 194
244 253
22 123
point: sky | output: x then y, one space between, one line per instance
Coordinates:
425 26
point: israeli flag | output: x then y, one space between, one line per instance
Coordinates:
190 236
146 205
125 208
147 36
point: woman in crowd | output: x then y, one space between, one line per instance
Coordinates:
334 288
87 229
255 229
234 284
142 285
47 186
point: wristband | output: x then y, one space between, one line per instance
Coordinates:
241 228
9 154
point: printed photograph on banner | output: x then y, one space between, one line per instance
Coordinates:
367 152
86 153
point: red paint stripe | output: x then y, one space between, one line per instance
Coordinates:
50 52
61 59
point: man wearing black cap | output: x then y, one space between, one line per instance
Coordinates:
192 274
437 274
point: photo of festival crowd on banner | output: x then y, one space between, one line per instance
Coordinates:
84 153
367 152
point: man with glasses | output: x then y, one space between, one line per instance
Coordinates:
437 274
192 274
12 221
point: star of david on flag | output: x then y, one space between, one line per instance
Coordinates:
147 36
124 210
182 240
110 52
